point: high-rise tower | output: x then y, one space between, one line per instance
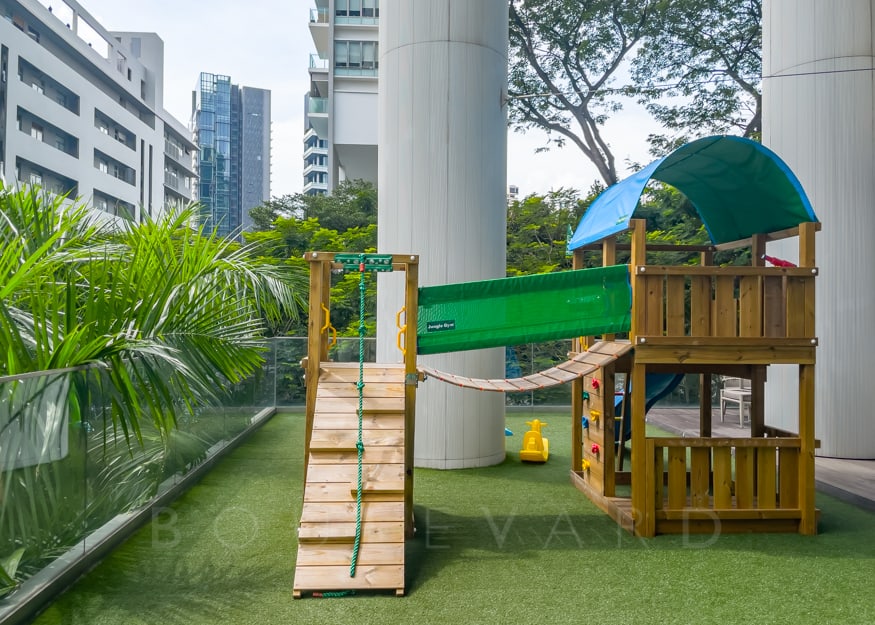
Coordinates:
231 126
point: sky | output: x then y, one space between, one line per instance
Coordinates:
266 44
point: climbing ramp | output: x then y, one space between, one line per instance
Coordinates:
327 532
577 366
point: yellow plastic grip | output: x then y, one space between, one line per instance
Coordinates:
401 330
333 341
594 415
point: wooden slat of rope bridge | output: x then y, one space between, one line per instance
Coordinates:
578 365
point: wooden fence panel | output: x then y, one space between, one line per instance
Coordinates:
700 306
744 477
675 316
788 475
766 478
722 477
700 473
750 306
677 478
725 311
774 312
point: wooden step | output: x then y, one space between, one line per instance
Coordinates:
372 511
350 389
340 554
341 492
349 372
374 532
345 440
371 455
349 421
370 405
348 473
337 578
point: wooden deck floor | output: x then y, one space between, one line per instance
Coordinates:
850 480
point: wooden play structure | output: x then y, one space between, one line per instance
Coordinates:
705 320
647 321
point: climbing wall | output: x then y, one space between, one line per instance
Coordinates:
327 529
598 432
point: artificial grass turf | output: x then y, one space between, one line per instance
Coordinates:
514 543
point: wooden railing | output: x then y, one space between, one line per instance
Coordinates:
726 302
724 478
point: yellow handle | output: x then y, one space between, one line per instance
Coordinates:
401 331
594 415
584 464
333 341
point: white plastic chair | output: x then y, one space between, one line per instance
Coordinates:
735 391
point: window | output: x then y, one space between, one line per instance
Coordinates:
61 144
36 131
36 178
369 55
356 55
103 166
341 54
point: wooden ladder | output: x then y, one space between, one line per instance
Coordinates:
328 519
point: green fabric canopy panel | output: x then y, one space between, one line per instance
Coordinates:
527 309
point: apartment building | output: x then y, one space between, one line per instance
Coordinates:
342 103
81 111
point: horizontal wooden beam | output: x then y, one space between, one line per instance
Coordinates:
705 441
729 513
771 236
728 270
672 351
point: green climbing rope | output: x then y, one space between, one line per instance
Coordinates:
359 444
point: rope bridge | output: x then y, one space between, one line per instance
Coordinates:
579 365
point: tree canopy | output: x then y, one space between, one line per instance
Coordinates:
695 64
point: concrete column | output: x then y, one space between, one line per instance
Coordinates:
442 185
818 111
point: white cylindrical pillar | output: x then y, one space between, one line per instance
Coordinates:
818 111
442 185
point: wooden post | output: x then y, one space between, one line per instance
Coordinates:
411 379
314 347
644 518
609 258
576 391
706 259
758 373
808 523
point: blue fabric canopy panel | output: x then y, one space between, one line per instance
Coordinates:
738 186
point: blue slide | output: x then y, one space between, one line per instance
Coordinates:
657 386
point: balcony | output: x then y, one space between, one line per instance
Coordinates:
319 29
317 112
317 63
319 15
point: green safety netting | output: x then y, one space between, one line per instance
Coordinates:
527 309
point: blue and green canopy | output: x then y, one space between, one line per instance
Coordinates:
738 186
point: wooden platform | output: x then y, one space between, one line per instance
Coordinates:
327 530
